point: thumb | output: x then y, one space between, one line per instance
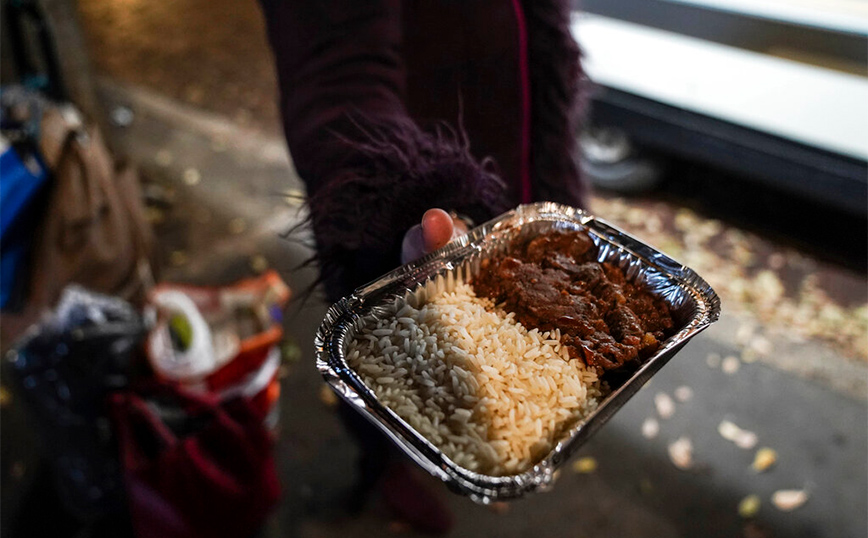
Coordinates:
437 229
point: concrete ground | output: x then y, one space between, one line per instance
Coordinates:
787 361
232 193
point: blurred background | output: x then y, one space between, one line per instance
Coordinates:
731 135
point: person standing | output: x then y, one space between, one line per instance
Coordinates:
401 116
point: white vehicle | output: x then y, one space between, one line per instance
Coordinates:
772 89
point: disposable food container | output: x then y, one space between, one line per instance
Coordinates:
692 302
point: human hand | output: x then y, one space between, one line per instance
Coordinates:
436 229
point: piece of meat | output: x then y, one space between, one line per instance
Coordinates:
552 281
576 245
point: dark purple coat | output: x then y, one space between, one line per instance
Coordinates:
391 108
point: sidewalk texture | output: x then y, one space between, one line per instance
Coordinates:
801 397
223 197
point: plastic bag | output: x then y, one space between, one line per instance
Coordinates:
222 340
64 368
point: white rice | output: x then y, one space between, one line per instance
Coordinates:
490 394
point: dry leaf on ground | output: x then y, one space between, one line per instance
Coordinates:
681 453
650 428
664 404
749 506
764 459
585 465
787 500
742 438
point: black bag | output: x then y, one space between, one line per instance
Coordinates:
63 369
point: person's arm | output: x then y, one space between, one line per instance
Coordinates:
370 171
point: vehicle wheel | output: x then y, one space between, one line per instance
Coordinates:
611 161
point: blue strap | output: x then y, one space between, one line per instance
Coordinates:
19 183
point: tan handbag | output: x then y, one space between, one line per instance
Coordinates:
93 231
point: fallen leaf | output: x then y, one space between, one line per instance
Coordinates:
585 465
743 254
764 458
192 176
749 506
749 356
681 453
664 404
650 428
777 261
787 500
258 263
742 438
768 287
290 352
683 393
499 507
178 258
685 220
713 360
752 529
762 346
730 365
328 396
154 215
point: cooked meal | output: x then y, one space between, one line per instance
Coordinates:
494 371
555 282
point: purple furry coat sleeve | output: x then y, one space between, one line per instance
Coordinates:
370 170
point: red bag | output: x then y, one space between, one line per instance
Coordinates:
218 481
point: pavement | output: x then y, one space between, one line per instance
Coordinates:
226 203
803 399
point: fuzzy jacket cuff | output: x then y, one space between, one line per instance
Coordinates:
395 173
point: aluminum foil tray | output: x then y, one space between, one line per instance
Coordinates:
693 303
